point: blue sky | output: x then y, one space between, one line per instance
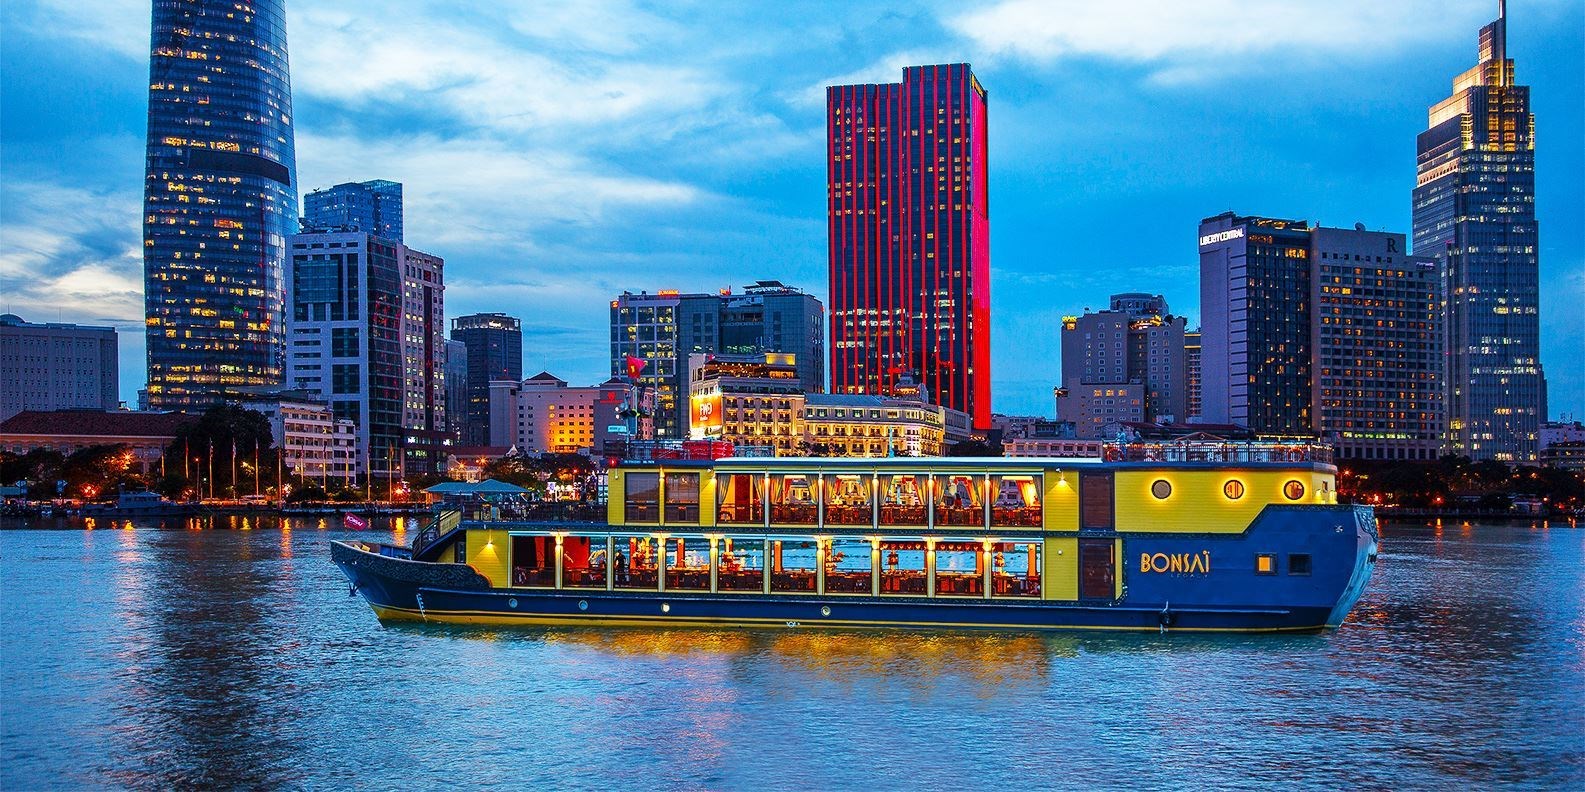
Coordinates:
558 153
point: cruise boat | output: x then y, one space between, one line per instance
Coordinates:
1217 537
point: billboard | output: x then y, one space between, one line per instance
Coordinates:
705 413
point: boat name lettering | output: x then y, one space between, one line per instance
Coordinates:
1194 563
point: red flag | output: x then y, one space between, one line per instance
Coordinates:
354 522
635 366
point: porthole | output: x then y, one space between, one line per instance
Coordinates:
1161 488
511 603
825 610
583 604
1233 489
1293 490
665 607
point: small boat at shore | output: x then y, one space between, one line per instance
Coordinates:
1248 539
142 503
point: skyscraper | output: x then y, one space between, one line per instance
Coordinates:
909 237
220 199
1123 364
373 207
1474 211
495 352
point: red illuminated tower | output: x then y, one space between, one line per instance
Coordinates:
909 226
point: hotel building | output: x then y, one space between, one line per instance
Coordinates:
909 237
219 201
1474 212
543 415
1123 364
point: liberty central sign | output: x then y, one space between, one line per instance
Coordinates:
1222 236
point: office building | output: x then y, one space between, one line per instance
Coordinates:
367 336
1126 363
1474 212
56 367
1191 376
542 414
373 207
220 199
495 352
1316 331
909 237
660 331
456 389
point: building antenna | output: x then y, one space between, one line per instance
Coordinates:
1501 43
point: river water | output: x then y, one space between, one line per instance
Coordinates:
152 658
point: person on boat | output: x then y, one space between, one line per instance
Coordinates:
621 566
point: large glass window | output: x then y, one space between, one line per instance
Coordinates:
903 568
848 500
959 500
793 500
534 561
902 499
583 561
848 566
739 500
741 565
1016 501
682 498
635 562
793 564
959 570
642 497
1015 568
687 564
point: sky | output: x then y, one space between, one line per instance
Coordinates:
556 154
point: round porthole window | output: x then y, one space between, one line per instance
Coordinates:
1233 489
1293 490
1161 488
665 607
511 603
825 610
583 604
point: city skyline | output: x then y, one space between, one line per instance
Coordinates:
697 221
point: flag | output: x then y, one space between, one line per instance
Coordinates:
635 366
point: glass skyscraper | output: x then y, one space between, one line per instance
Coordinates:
909 237
494 343
219 199
1474 211
373 207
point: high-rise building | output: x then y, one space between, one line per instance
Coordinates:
56 367
1191 376
1124 364
367 335
495 352
1474 211
1363 369
909 237
663 329
456 389
373 207
220 199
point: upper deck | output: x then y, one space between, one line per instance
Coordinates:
1209 488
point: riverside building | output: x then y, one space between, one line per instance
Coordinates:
1474 212
543 415
909 237
219 200
1124 364
55 366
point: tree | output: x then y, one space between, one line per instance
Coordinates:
221 447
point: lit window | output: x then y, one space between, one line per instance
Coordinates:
1266 564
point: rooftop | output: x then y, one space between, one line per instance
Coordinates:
96 423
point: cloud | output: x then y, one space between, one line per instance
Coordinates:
74 248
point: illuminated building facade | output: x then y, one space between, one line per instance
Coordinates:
665 328
1191 376
1124 364
313 442
54 366
494 352
909 237
220 199
373 207
543 415
367 335
1474 211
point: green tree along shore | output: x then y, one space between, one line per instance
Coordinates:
1458 484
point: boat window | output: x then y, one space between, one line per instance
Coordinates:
792 499
1265 564
534 561
1016 501
848 500
1298 563
792 564
848 566
903 568
1016 569
902 499
739 499
583 562
682 498
959 570
634 563
687 564
959 500
741 564
642 497
1293 490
